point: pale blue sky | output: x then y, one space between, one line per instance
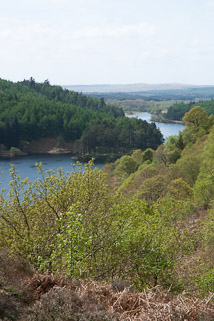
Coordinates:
107 41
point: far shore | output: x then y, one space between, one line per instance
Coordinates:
81 158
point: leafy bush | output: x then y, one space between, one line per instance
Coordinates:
127 165
206 282
15 150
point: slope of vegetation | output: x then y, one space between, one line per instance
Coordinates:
31 111
177 181
177 111
145 221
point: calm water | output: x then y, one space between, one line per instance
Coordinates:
166 129
26 165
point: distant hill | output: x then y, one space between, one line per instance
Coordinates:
132 87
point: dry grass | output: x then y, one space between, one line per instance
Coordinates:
33 288
37 297
99 302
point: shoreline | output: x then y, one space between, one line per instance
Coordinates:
166 121
11 155
7 155
48 146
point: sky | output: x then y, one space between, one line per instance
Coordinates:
82 42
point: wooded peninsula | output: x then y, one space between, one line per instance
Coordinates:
31 111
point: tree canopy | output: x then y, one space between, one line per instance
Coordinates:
30 111
177 111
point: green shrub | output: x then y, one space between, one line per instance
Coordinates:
15 150
206 282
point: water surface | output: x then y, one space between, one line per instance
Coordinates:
26 166
167 129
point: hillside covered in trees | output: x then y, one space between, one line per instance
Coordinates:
145 221
30 111
177 111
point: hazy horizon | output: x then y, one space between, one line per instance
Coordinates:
138 83
139 87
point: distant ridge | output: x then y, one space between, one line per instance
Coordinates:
131 87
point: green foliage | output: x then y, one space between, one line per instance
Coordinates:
127 165
60 222
173 147
197 125
122 134
160 156
85 230
148 155
180 190
204 191
206 282
195 118
189 165
31 111
176 210
14 150
178 185
148 241
204 187
70 222
208 235
177 111
131 184
137 155
29 234
153 188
